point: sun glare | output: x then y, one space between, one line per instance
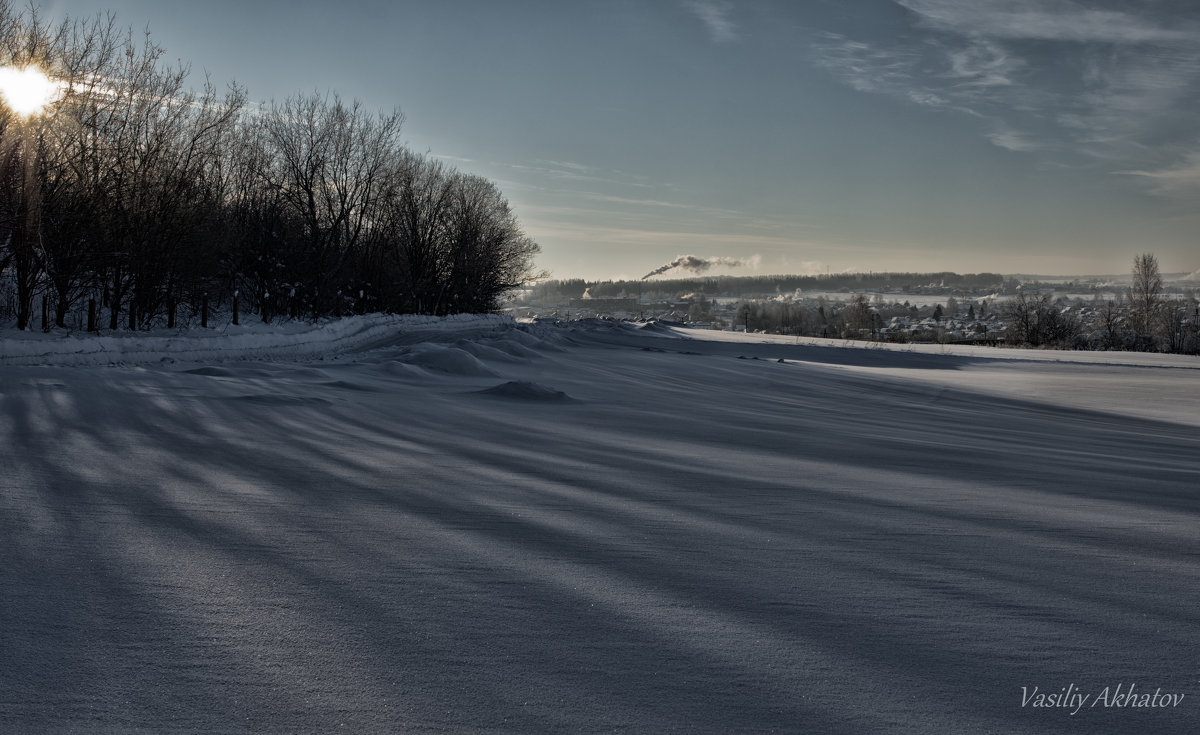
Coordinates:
27 91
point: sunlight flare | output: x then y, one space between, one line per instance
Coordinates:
27 91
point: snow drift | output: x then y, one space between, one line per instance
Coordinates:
313 531
295 340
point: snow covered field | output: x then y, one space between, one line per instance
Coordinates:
471 525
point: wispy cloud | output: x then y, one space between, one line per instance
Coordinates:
1131 98
576 232
716 18
578 168
560 171
1113 84
982 63
1181 179
1048 20
1013 140
876 70
654 214
959 76
659 204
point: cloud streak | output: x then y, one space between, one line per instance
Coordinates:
958 77
982 64
1056 77
867 68
715 16
1013 140
1044 20
569 231
560 171
1181 179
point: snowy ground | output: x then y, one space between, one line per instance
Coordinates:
471 525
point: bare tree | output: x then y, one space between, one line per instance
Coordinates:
259 224
329 161
1111 324
858 316
1035 320
129 179
1022 315
147 192
1145 298
1174 325
418 221
488 253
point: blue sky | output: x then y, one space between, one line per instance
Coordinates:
1031 136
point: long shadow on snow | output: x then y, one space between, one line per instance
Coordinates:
615 663
440 480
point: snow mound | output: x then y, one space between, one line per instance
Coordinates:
397 369
525 390
523 335
348 385
655 327
551 336
514 349
495 351
598 324
520 336
444 359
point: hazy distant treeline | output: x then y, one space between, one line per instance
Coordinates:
1140 317
147 196
739 285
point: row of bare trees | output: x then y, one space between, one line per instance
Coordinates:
1143 318
146 196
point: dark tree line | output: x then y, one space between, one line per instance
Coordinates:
146 197
857 318
1037 320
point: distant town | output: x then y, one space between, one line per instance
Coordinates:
1077 312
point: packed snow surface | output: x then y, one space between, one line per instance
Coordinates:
389 524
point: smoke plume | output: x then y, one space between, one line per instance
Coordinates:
696 264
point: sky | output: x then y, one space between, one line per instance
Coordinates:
1014 136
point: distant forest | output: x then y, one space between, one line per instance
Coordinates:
137 197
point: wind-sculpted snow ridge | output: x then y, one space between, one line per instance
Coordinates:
293 340
446 359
